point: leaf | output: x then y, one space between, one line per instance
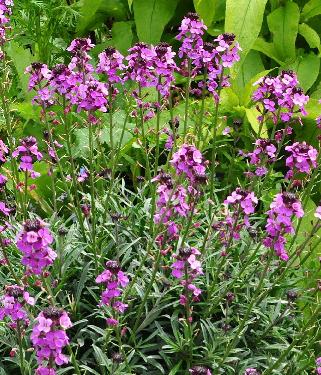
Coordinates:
311 9
244 19
307 68
251 67
310 35
88 12
81 283
122 36
206 10
151 17
21 58
94 12
267 48
283 24
252 115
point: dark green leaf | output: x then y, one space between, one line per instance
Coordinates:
151 17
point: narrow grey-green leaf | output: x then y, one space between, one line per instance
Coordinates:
310 35
311 9
244 18
151 17
283 24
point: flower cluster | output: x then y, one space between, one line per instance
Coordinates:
49 339
165 67
199 370
28 154
318 363
251 371
280 94
264 153
279 223
111 64
303 158
3 151
189 161
5 12
191 30
33 241
187 267
13 304
114 280
243 204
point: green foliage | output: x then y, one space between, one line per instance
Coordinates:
152 17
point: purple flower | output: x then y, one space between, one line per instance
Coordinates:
28 153
111 64
79 48
199 370
165 67
12 303
279 223
114 280
264 153
251 371
186 262
280 94
3 151
191 30
303 158
33 241
5 12
188 160
246 200
49 339
317 213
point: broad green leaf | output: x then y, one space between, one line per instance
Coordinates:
310 35
94 12
88 11
283 24
252 115
151 17
307 68
311 9
244 18
21 58
206 10
251 87
251 67
267 48
122 36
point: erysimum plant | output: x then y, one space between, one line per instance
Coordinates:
169 271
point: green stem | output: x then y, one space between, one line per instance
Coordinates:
21 351
187 90
92 195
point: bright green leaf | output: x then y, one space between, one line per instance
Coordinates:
88 11
267 48
151 17
21 58
310 35
311 9
283 24
307 68
252 115
122 36
244 18
206 10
